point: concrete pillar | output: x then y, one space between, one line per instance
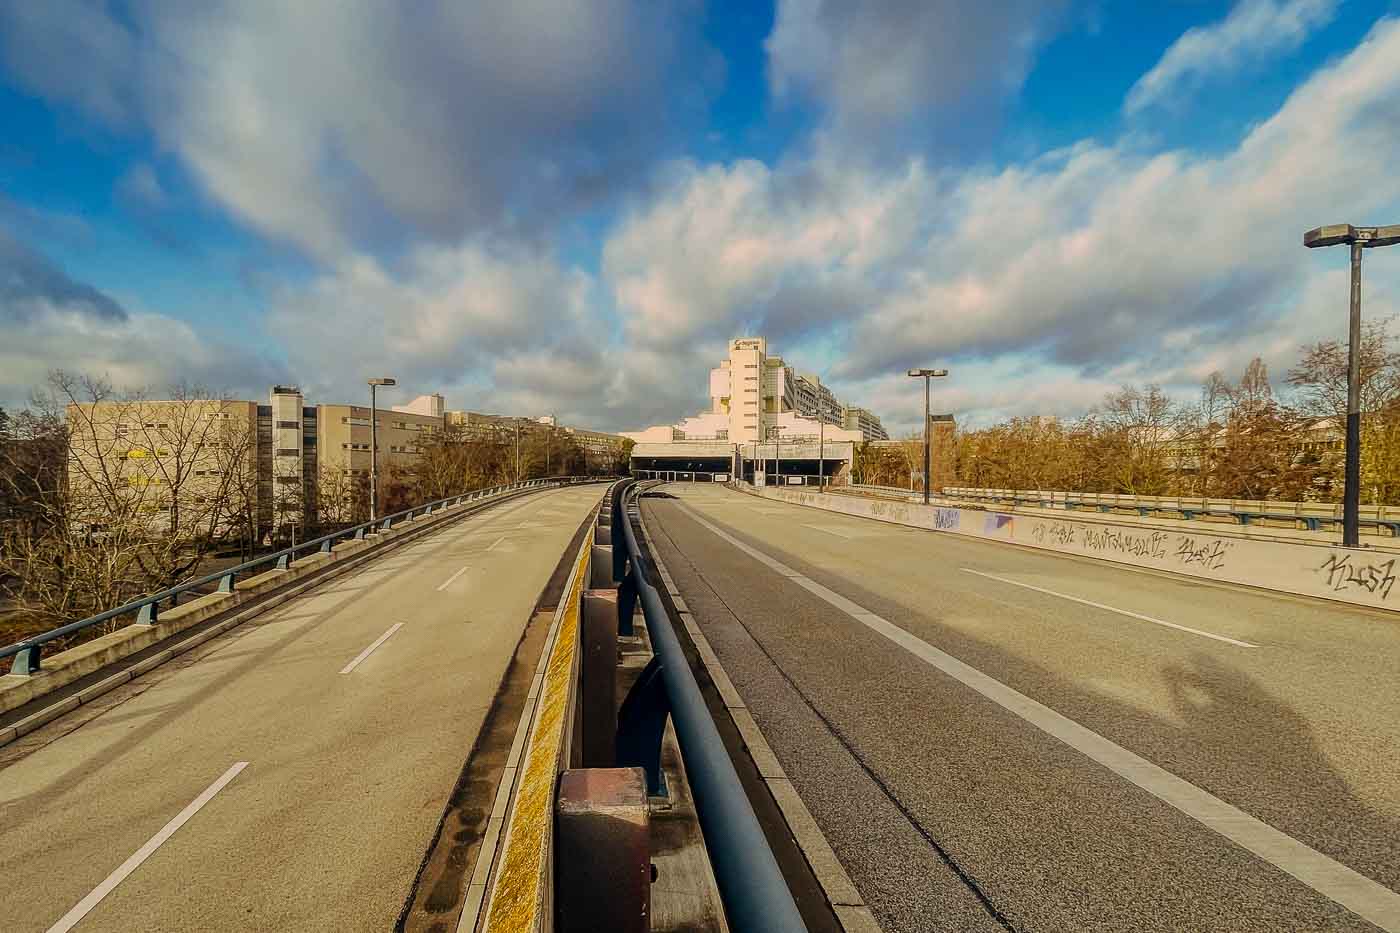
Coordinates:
600 567
602 859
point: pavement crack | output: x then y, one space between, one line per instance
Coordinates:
965 876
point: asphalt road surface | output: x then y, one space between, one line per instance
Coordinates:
289 775
994 738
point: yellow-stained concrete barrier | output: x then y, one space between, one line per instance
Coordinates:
520 899
1360 576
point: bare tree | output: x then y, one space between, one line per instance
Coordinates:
146 493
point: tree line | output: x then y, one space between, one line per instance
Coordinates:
106 495
1243 439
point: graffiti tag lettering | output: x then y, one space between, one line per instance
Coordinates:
1207 554
945 519
1146 546
1342 575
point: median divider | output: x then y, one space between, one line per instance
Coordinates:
1358 576
576 852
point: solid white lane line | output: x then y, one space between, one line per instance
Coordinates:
1330 878
829 530
370 650
493 544
81 909
448 582
1121 612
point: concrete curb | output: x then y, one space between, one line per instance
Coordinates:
851 910
495 838
46 715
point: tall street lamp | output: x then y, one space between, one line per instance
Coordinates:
374 384
821 439
777 432
1359 238
927 374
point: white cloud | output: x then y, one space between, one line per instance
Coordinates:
873 65
1253 30
1090 266
73 50
141 187
486 325
346 126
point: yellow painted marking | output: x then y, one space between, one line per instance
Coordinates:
517 896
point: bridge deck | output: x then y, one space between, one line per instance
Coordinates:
886 677
350 753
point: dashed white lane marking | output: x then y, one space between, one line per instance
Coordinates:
1330 878
370 650
493 544
1121 612
81 909
829 530
450 580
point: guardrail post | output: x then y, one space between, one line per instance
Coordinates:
602 857
598 678
27 661
641 724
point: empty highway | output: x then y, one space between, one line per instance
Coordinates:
993 738
290 774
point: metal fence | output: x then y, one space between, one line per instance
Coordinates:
755 895
1312 515
28 652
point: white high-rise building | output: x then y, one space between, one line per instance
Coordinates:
759 407
752 393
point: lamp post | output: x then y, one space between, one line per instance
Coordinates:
927 374
777 432
1358 238
821 439
374 445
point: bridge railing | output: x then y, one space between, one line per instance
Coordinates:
28 653
1313 515
751 885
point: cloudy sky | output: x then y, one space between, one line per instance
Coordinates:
569 205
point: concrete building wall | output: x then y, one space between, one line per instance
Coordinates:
343 437
134 460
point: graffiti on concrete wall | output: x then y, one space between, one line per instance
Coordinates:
946 519
1342 574
1143 546
995 522
1060 533
1206 553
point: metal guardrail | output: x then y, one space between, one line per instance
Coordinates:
1313 515
28 652
755 895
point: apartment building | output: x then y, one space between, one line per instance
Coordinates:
602 451
171 465
854 418
257 467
